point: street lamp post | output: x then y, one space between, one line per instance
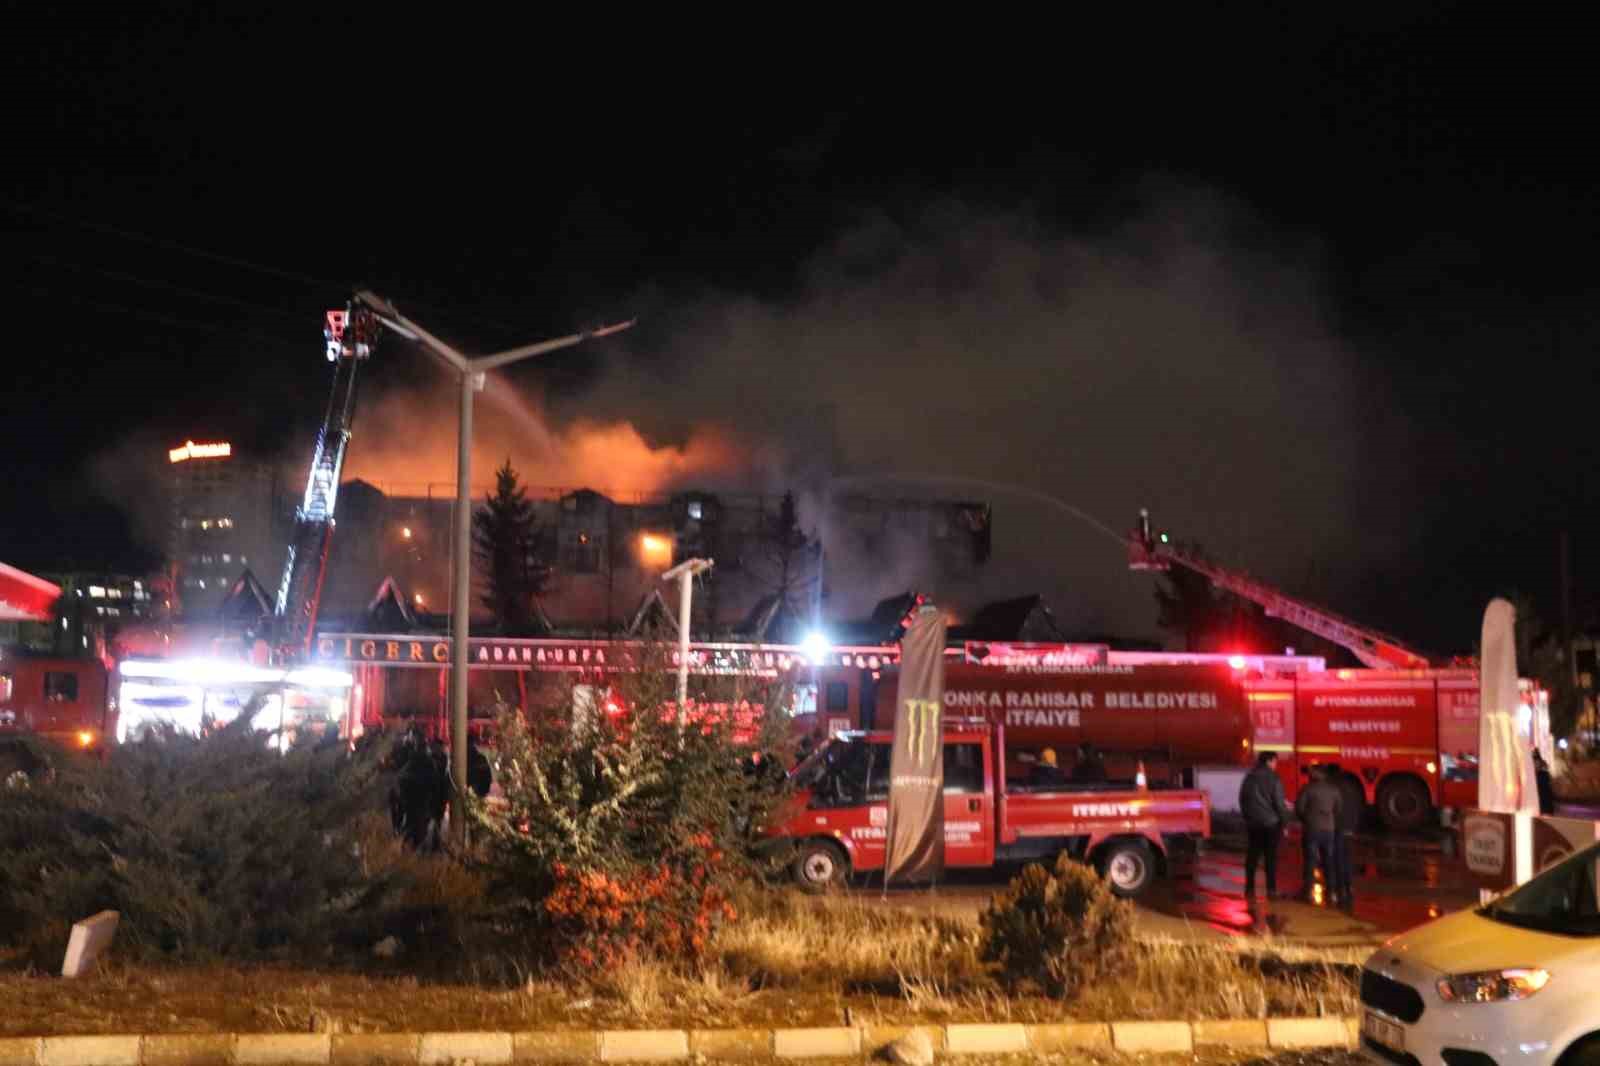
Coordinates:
685 573
471 376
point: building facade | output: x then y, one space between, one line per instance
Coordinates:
228 515
606 557
94 607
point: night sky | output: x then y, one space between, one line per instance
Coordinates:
1321 296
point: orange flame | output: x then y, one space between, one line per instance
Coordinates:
406 445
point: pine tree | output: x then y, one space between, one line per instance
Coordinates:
789 558
507 541
208 847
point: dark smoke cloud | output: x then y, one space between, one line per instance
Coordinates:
1181 361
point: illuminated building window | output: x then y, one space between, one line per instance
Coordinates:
227 558
696 510
5 688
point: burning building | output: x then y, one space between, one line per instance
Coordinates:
605 555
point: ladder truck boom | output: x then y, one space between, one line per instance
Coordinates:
351 336
1149 551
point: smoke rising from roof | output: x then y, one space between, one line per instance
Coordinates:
1181 361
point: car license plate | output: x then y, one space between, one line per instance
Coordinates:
1383 1031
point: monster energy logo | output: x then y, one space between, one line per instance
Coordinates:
922 728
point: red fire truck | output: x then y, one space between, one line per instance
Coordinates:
837 820
1172 719
1405 741
1402 734
61 700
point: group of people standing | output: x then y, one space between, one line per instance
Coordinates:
421 792
1327 820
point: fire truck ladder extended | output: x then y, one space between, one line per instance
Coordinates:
351 336
1374 649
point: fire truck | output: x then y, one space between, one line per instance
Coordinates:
1170 720
1401 733
837 822
63 700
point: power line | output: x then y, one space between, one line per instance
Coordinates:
170 245
166 320
156 283
230 260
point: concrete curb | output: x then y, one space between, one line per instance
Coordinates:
660 1045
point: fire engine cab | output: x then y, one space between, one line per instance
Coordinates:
61 700
837 822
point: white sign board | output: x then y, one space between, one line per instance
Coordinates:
89 940
1485 845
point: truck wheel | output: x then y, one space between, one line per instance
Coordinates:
1585 1052
1403 804
1128 867
17 766
819 865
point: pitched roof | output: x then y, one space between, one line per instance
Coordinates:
653 614
390 611
247 600
1025 618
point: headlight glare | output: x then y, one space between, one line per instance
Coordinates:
1493 986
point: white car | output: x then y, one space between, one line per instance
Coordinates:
1513 983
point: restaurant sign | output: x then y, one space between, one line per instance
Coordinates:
494 653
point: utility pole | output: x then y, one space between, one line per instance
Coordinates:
471 374
685 573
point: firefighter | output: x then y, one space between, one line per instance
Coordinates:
1046 773
1091 768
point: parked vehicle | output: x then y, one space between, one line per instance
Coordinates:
838 818
1509 982
57 699
1172 718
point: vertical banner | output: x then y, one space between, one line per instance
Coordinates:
916 765
1505 760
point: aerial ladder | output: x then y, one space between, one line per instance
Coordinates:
1155 551
351 336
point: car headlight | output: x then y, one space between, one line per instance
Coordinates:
1492 986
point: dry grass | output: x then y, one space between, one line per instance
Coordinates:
788 961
